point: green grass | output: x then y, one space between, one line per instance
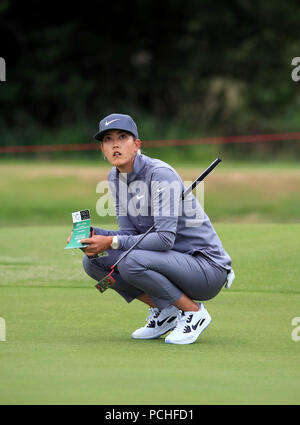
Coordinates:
45 192
69 344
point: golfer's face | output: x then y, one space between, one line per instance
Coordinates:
120 148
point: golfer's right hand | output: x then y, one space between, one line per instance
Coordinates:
69 238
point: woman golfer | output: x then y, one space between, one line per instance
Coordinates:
176 266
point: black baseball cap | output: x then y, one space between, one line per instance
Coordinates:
116 122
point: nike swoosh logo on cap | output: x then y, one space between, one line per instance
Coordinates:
139 196
109 122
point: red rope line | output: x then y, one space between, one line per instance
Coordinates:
253 138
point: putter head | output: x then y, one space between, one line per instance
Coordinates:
105 283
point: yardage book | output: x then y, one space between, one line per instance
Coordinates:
81 229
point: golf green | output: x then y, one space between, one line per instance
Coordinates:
68 344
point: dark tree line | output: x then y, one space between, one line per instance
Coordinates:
216 64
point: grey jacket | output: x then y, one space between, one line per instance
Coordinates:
151 194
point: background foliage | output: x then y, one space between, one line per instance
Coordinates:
180 68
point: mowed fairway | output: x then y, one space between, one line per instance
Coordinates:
66 343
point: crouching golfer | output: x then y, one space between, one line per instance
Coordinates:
176 266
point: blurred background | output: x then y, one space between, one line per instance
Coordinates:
201 79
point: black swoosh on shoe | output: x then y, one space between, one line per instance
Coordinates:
162 322
196 325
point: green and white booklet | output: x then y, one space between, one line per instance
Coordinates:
81 229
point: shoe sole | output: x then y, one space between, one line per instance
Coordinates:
156 336
203 327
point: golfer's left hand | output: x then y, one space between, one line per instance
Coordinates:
97 243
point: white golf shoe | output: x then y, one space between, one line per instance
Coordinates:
189 326
158 323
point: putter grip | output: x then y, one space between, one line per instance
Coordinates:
201 177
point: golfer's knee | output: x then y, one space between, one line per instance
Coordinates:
90 268
95 271
130 266
87 265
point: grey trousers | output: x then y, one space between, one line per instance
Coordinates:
163 276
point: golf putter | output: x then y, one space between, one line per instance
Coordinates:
108 280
